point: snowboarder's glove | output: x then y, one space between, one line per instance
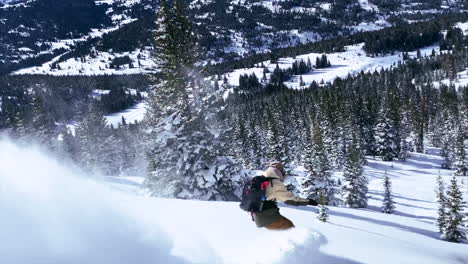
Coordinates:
296 203
312 202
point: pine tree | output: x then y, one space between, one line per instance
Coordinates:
388 206
96 143
355 187
454 220
404 146
319 178
385 133
323 209
189 157
460 162
442 201
448 149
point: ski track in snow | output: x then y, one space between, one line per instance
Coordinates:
57 215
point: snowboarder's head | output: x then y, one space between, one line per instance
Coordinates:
278 165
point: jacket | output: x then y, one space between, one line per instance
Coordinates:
276 192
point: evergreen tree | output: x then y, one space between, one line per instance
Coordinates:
448 149
454 220
388 205
460 162
96 143
355 187
319 178
385 132
323 209
190 157
442 201
404 145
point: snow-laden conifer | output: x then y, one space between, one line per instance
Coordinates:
355 182
388 205
442 204
452 231
190 157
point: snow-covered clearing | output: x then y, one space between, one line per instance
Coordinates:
349 62
131 115
52 213
140 61
461 80
127 3
368 6
463 27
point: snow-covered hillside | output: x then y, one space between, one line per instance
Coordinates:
350 62
131 115
140 62
52 213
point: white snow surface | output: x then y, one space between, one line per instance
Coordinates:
368 6
349 62
127 3
99 65
463 27
132 114
53 213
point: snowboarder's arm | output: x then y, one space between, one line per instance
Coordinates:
279 193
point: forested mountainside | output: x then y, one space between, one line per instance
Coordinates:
404 106
119 33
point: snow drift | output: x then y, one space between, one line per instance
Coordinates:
51 214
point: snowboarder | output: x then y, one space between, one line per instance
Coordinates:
270 217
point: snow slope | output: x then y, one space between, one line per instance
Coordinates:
131 115
351 61
463 27
57 215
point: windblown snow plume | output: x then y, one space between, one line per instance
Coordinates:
51 214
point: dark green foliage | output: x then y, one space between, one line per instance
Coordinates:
355 182
388 205
323 214
454 217
442 207
322 62
117 62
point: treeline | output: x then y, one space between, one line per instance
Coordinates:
251 84
403 38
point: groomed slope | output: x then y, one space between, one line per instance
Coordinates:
54 214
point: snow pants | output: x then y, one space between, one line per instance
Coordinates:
282 224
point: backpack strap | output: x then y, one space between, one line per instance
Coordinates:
270 179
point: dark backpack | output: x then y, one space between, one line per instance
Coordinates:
253 195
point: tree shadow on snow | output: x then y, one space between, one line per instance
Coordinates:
396 195
412 229
428 233
400 203
418 217
309 252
